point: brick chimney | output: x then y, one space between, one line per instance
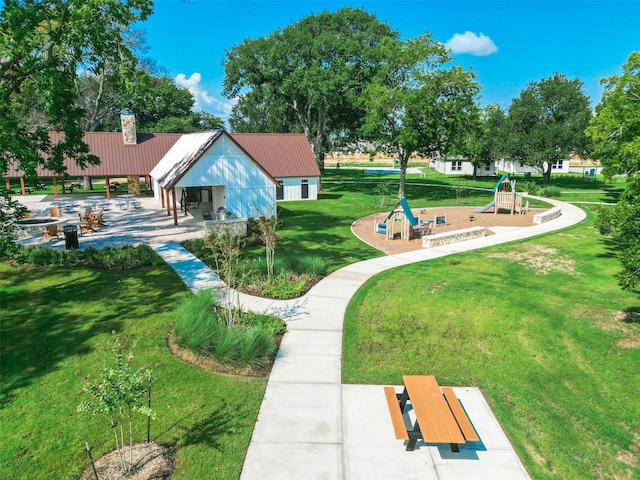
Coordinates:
128 121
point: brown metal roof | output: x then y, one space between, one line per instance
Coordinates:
117 159
280 154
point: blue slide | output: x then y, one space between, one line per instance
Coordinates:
488 206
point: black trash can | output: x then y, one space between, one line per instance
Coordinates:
70 237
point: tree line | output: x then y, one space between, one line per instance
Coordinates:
340 77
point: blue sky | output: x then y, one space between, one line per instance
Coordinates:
507 43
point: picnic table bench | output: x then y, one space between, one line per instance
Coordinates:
440 417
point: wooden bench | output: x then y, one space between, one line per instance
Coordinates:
440 417
397 418
460 415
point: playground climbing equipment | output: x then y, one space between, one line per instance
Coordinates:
402 223
505 197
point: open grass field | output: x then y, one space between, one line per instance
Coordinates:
540 326
55 323
556 354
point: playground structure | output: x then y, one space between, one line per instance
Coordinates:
505 197
402 223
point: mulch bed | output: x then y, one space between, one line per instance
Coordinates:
150 461
457 219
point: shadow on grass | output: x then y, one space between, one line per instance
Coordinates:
209 430
51 314
631 315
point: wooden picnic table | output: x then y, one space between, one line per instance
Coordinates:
439 415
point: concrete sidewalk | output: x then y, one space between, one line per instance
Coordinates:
310 426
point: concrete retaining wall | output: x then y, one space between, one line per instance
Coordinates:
543 217
446 238
237 225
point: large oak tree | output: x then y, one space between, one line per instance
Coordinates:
306 76
43 47
615 131
546 123
415 103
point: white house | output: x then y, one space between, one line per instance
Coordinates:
514 167
211 168
288 158
460 166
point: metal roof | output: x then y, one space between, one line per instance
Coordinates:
280 154
182 156
185 154
116 158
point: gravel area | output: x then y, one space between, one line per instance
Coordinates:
457 219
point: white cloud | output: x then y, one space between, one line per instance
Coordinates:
469 42
204 101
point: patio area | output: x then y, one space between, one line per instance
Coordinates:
147 224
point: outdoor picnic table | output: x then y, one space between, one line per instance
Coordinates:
95 199
439 416
125 199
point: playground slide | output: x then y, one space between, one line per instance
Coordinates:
485 208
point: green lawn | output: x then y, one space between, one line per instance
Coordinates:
55 322
545 349
540 326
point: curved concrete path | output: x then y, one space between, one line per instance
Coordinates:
311 426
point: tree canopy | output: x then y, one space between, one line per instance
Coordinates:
546 123
43 46
615 131
308 74
485 143
413 104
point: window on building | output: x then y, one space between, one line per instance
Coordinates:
304 188
456 166
557 165
279 190
487 166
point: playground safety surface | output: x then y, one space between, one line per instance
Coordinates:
458 218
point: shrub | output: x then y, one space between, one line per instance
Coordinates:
285 285
312 266
551 192
118 393
126 257
205 330
532 187
256 347
195 322
275 325
197 246
292 275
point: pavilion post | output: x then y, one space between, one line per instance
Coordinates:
24 192
107 187
175 209
166 192
55 188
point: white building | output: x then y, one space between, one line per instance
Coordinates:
288 158
212 169
514 167
460 166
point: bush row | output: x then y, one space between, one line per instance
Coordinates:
109 258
